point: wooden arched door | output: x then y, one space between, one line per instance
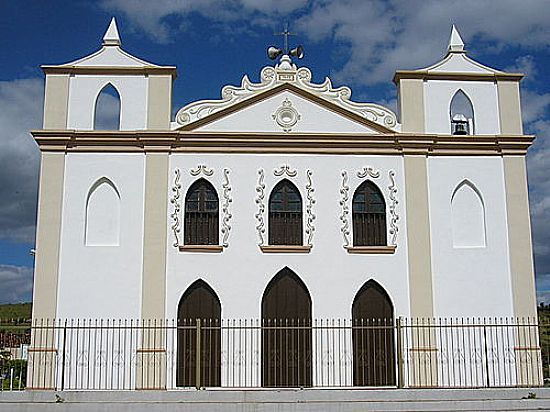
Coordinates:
373 337
286 334
199 302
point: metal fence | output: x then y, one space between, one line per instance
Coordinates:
14 340
196 353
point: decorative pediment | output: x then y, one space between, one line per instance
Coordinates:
286 73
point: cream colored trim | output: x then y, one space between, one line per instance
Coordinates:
411 105
154 236
371 250
509 107
48 236
56 101
400 75
201 248
318 143
106 70
519 237
418 237
285 249
159 102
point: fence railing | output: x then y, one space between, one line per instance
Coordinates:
15 337
196 353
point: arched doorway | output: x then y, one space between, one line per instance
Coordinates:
373 337
199 302
286 334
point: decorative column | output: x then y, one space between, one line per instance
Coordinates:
423 351
43 348
151 359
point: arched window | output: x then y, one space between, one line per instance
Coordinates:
102 225
201 214
107 109
369 216
285 215
199 302
373 347
461 114
467 216
286 332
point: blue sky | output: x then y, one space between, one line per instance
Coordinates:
359 43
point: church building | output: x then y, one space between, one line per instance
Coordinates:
282 201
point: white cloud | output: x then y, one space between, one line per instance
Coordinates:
16 284
378 36
159 18
387 35
21 103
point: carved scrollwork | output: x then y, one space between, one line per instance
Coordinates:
368 171
201 169
309 208
174 200
393 209
271 77
285 169
344 197
226 214
260 199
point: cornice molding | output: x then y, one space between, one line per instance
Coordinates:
303 143
113 70
456 76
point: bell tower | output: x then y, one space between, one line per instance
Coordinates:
144 90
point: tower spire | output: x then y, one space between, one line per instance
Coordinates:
111 37
456 44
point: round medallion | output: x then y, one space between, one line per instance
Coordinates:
286 116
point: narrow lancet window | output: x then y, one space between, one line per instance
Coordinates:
285 215
461 114
107 109
369 216
201 214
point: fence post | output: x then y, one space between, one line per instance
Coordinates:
198 356
400 366
486 353
63 359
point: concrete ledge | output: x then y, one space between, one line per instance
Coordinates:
341 400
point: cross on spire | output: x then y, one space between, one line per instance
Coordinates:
285 33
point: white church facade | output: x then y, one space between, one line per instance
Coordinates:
284 199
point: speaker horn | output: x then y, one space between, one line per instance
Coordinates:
274 52
297 52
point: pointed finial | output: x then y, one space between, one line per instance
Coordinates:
455 43
111 37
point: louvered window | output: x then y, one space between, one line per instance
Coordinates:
285 215
369 216
201 214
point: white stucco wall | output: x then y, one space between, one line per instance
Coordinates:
482 94
241 272
83 92
469 281
101 281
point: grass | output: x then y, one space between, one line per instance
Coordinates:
16 311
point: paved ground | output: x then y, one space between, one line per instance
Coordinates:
260 400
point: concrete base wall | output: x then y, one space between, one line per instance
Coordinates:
280 400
